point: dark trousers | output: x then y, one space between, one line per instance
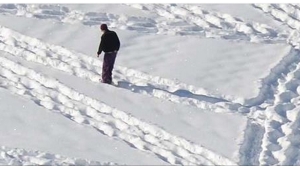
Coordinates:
108 65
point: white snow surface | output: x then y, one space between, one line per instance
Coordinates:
194 84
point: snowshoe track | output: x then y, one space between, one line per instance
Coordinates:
281 140
280 144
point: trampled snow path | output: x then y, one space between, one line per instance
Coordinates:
59 98
171 19
279 102
281 142
16 157
89 68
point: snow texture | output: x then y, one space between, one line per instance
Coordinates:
195 84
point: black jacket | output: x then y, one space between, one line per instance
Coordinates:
109 42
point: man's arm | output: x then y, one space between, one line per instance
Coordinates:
100 49
117 42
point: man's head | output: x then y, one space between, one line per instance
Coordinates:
103 27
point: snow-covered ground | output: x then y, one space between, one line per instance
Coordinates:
196 84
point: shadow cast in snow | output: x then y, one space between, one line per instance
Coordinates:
180 92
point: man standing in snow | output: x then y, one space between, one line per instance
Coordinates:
110 45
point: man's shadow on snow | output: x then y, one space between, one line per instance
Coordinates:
180 93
